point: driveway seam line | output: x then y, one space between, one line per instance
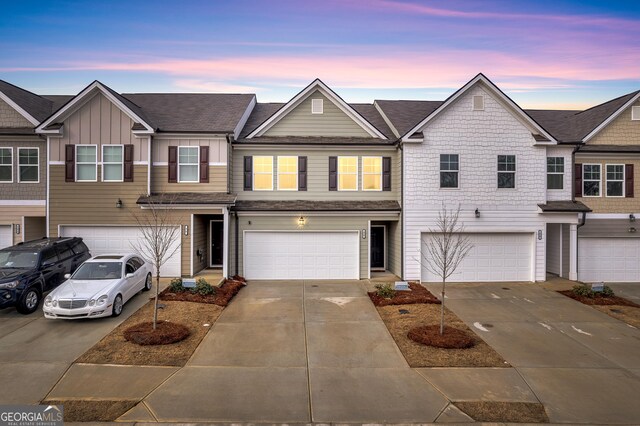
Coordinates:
306 348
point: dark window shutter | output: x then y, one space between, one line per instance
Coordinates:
173 164
302 173
333 173
628 180
577 171
386 173
70 163
248 173
204 164
128 163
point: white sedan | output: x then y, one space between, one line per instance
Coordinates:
99 287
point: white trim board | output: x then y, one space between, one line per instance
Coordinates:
23 202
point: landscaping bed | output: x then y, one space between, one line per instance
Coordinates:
606 302
511 412
599 300
221 296
81 410
418 294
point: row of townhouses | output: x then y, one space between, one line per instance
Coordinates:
317 188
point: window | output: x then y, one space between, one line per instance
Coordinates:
555 172
112 163
372 173
188 161
615 180
288 173
347 173
137 262
131 267
6 165
263 173
449 167
28 168
591 180
64 251
49 257
317 106
506 171
86 163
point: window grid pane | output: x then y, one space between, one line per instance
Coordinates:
288 173
372 173
112 154
86 172
28 156
188 155
86 154
615 180
348 173
5 156
591 180
263 173
449 162
555 165
506 163
6 161
188 173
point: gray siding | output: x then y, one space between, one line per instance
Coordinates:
9 117
554 248
566 258
394 248
25 190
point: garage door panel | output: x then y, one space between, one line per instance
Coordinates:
609 259
6 236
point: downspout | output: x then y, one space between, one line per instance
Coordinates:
229 162
583 220
401 174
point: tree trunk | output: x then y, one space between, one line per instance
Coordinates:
155 304
442 310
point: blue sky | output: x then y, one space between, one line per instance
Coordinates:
562 54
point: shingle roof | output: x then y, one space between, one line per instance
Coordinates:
404 115
37 106
166 198
308 205
564 206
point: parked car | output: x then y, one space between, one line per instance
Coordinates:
29 269
99 288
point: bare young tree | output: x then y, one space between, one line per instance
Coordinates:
157 243
446 248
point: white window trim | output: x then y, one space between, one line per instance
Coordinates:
357 173
624 179
557 173
635 113
317 106
253 173
197 148
102 163
288 173
591 180
515 176
78 163
448 171
29 165
372 174
10 148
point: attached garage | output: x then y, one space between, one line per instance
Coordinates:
609 259
277 255
6 235
494 257
118 239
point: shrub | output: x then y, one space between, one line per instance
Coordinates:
585 290
204 288
385 290
175 286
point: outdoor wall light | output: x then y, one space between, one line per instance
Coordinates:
632 218
477 213
17 226
119 204
632 230
301 221
186 229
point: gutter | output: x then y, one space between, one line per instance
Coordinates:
229 162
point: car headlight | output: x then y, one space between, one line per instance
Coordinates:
92 302
102 300
54 303
9 285
47 301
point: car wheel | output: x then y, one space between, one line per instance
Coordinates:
117 306
148 283
29 301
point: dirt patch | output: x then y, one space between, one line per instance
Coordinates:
92 411
628 314
222 297
451 338
418 355
115 349
599 300
512 412
418 294
165 333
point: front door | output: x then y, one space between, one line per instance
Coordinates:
217 241
377 247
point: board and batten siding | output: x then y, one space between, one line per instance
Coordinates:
217 148
301 122
160 181
98 122
317 175
621 131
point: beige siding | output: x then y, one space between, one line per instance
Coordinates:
608 228
25 190
217 181
217 148
332 122
200 241
13 215
9 117
605 204
621 131
98 122
317 176
34 228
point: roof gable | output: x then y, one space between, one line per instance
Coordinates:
611 110
353 123
32 107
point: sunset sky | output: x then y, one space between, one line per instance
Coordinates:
559 54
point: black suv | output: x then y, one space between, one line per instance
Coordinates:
29 269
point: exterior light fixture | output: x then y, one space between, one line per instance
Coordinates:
186 229
17 226
632 230
301 221
119 204
632 218
477 213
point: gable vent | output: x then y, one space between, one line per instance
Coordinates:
317 106
635 113
478 103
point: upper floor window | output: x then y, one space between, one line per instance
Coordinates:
188 164
591 180
6 165
347 173
86 163
449 168
112 163
288 173
555 172
372 173
506 171
28 165
263 173
615 180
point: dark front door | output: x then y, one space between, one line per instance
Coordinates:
217 240
377 247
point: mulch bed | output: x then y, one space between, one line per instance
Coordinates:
81 410
511 412
599 299
451 338
418 294
165 333
222 297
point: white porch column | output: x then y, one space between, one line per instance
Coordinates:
225 242
573 252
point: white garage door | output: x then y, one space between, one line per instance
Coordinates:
301 255
117 239
6 236
494 257
609 259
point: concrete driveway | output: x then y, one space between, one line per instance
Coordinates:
35 352
582 364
